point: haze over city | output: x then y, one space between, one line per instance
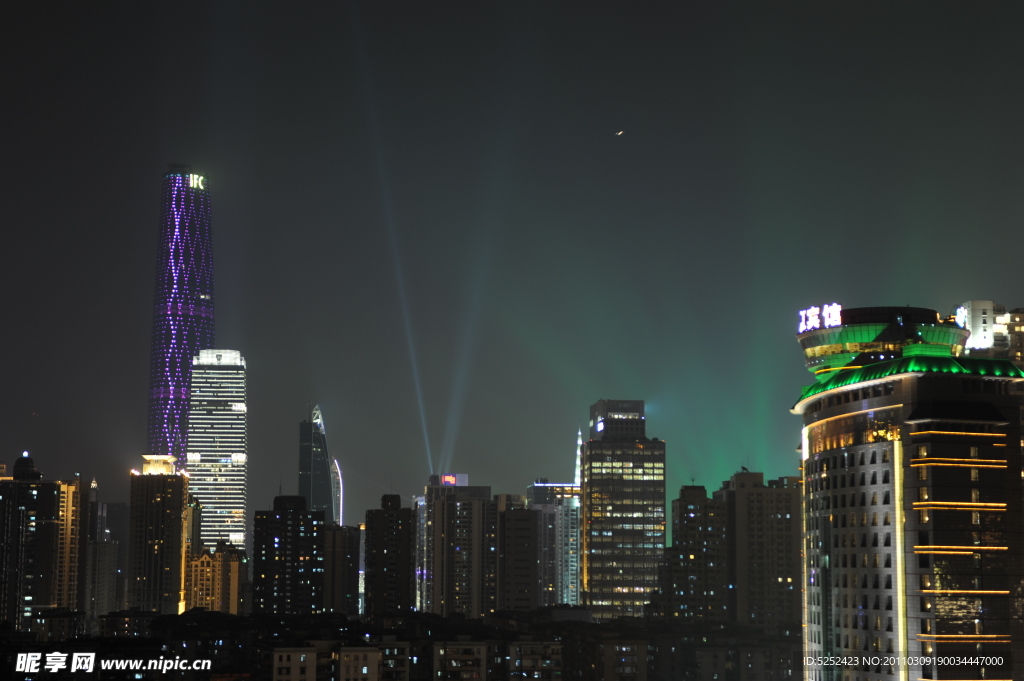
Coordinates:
425 221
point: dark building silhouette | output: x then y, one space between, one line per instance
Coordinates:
695 578
158 537
736 558
288 559
912 495
519 586
182 307
389 559
622 511
319 475
341 568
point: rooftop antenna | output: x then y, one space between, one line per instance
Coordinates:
693 478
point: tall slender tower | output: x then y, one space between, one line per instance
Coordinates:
319 476
182 306
217 449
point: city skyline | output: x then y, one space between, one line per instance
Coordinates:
754 145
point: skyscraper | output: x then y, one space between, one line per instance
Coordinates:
182 306
158 537
319 475
216 452
912 498
458 573
622 510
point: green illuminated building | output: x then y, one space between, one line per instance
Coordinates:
912 500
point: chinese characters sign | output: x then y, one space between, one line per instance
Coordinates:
826 317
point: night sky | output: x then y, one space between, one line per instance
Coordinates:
431 194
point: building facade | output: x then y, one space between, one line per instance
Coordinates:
622 504
218 580
43 544
158 536
217 450
288 559
558 557
459 569
912 499
341 568
389 559
695 581
182 307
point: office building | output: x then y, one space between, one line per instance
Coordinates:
458 572
319 475
288 558
912 502
182 307
622 504
158 536
216 456
558 556
389 559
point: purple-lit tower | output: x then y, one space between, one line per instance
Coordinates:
182 306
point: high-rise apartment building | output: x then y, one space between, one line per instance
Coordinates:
319 475
622 510
558 554
389 559
218 579
158 536
518 586
912 499
43 544
341 568
765 533
695 579
182 307
217 447
288 559
459 568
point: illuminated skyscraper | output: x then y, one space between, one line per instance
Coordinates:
319 475
912 499
622 511
182 306
216 451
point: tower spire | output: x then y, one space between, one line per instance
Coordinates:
579 444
